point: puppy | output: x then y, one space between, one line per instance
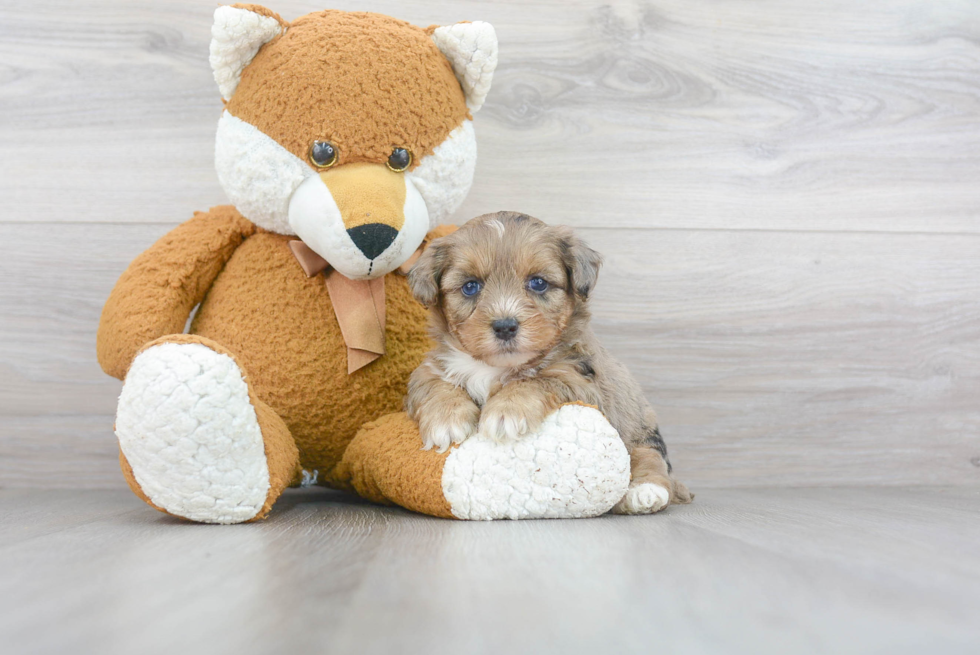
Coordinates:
508 296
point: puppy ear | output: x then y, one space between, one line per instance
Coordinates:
425 276
581 262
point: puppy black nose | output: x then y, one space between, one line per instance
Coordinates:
372 239
505 328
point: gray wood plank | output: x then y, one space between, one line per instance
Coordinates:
841 570
773 358
790 115
59 452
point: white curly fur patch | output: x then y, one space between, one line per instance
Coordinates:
236 36
644 498
258 175
574 466
445 177
191 436
471 48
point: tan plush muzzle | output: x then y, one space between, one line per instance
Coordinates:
364 219
371 200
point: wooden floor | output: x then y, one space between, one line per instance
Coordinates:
830 570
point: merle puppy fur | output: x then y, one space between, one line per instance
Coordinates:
508 297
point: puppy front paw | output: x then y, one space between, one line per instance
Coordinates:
505 420
643 498
443 426
502 425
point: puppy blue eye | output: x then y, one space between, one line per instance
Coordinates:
537 285
471 288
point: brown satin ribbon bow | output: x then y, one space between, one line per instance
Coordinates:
358 304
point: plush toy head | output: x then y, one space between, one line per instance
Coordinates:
352 131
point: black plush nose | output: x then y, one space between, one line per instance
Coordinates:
372 239
505 328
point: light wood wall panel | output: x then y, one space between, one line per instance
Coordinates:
786 194
772 357
674 113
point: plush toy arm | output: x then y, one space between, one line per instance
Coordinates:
574 465
155 295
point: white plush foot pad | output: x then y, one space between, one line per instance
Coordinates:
190 434
643 498
574 466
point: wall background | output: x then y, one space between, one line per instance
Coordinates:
787 194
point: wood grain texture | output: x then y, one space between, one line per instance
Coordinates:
786 195
778 115
772 357
804 571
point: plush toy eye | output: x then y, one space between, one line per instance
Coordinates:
471 288
537 284
323 154
399 160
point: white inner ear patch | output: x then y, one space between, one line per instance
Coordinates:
471 49
236 36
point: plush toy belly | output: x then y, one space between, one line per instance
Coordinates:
281 328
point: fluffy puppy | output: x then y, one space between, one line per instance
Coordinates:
508 296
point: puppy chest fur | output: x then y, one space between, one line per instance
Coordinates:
463 370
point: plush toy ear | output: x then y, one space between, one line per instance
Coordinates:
236 36
472 50
581 262
426 275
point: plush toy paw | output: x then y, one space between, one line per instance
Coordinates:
573 465
643 498
191 436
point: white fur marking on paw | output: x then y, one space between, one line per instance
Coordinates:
445 433
501 426
575 465
644 498
191 436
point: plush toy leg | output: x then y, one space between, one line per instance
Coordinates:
574 466
195 442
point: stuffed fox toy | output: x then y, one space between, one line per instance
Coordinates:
345 139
